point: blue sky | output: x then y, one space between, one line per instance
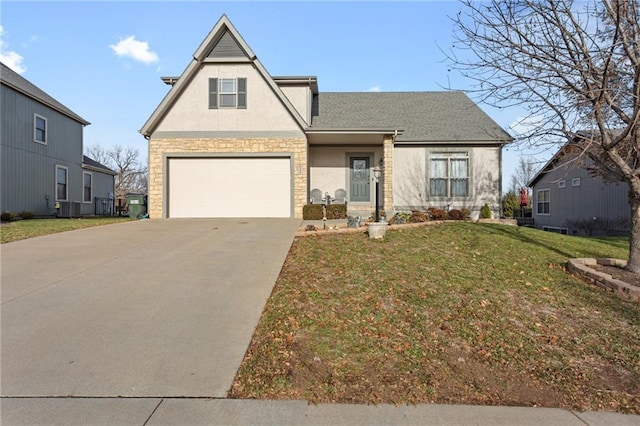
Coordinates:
104 59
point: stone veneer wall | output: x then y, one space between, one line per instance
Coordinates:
388 174
159 147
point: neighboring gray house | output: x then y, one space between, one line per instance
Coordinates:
568 199
41 154
230 140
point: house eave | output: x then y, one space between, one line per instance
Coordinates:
98 169
466 142
354 131
76 117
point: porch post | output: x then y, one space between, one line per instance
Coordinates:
387 187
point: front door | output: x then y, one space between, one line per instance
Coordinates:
359 180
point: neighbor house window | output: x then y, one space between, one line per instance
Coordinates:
562 184
575 182
87 187
39 129
62 178
227 93
449 174
543 201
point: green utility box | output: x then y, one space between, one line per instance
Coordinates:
137 205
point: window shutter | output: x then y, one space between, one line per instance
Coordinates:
242 93
213 93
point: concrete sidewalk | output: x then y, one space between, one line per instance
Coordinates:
194 412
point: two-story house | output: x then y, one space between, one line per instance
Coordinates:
43 169
231 140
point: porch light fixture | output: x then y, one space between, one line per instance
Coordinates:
377 172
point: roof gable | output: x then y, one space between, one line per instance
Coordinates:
223 44
227 47
14 80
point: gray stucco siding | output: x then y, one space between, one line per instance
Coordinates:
412 173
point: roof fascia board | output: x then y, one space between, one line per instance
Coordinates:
452 141
355 131
168 100
98 169
48 104
280 94
214 35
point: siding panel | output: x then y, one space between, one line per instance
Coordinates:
28 168
594 198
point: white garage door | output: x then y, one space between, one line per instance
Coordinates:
229 187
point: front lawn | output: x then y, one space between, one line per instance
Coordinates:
454 313
22 229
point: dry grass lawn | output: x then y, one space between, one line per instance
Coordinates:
453 313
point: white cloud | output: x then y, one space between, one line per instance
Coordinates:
10 58
135 49
373 89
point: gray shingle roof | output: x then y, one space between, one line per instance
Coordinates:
424 116
21 84
90 162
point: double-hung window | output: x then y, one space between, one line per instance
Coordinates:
62 175
543 202
227 93
39 129
449 174
87 186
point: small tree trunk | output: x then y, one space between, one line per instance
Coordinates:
634 240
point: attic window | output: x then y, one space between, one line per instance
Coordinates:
227 93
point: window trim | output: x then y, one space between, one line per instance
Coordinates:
233 93
84 200
562 184
449 155
66 169
35 128
239 93
576 182
539 203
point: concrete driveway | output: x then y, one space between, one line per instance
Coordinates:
148 308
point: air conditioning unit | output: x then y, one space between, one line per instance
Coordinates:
69 209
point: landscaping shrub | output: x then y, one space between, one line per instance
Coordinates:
418 216
485 213
312 212
7 217
466 213
400 217
437 214
337 211
26 215
455 214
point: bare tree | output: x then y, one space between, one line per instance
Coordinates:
522 175
131 173
575 67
